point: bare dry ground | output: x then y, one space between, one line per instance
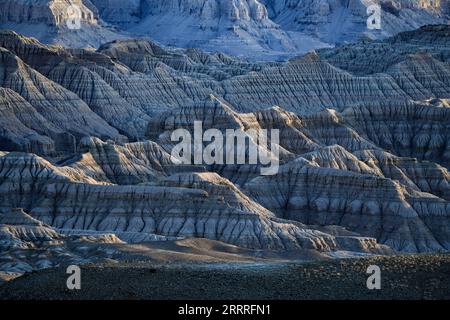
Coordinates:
403 277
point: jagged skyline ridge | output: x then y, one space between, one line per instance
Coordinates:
253 29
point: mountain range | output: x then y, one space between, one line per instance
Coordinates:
85 147
86 116
255 29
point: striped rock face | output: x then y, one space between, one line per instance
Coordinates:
256 29
363 139
50 12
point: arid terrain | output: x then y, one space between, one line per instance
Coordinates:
352 120
403 277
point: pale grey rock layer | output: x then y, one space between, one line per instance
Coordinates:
397 216
131 163
127 83
201 205
368 152
256 29
341 21
340 177
27 244
420 130
50 12
309 84
52 21
54 111
380 55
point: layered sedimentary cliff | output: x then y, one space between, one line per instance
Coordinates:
256 29
27 244
50 12
402 218
72 22
183 205
339 177
127 83
86 148
338 21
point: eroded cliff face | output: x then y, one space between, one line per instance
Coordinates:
256 29
379 56
399 217
341 178
52 21
340 21
28 244
364 152
126 83
202 205
49 12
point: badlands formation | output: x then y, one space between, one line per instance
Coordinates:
255 29
85 150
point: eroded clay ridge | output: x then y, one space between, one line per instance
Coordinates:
114 92
336 173
202 205
85 143
257 29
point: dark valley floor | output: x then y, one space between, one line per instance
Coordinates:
403 277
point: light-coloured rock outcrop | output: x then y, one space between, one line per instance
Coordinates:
174 211
127 83
336 157
81 77
309 84
117 11
21 124
378 56
185 205
337 21
19 230
131 163
53 21
420 130
367 152
256 29
145 56
62 110
123 98
396 215
350 182
420 175
235 27
50 12
23 178
328 127
27 244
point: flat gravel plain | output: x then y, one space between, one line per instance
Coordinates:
403 277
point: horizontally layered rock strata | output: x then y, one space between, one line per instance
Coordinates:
86 143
